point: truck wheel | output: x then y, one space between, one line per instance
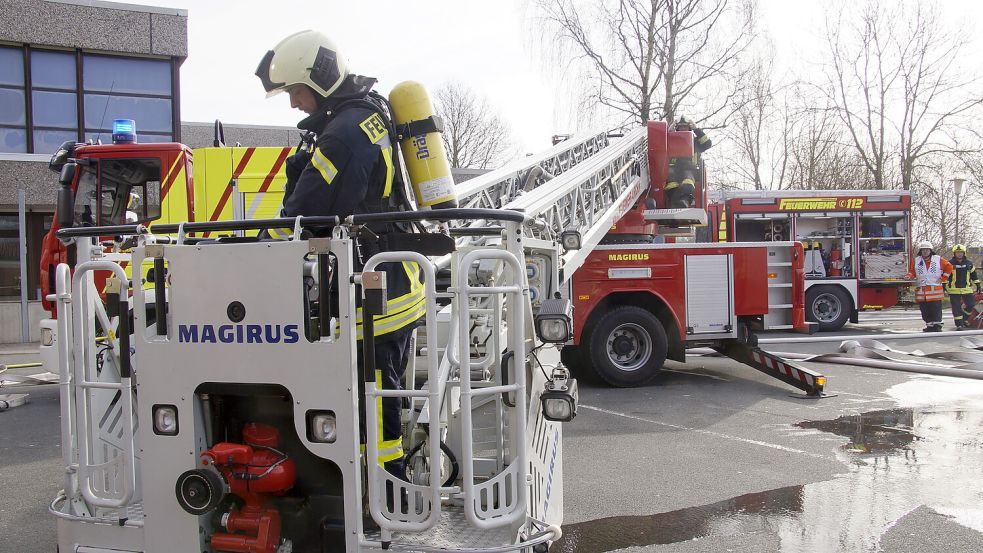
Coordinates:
628 346
830 306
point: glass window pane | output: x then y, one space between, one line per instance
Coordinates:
12 107
150 114
148 138
9 268
47 142
106 137
55 109
126 75
9 257
13 140
12 66
9 223
53 70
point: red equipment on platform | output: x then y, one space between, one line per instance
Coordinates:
254 471
835 261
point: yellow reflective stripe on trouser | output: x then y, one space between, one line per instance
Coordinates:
389 450
401 310
392 324
324 165
281 233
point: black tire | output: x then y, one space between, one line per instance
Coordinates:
829 306
628 346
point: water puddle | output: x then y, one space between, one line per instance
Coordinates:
738 514
897 459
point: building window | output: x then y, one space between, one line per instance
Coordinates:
9 258
54 100
128 88
41 107
13 108
38 224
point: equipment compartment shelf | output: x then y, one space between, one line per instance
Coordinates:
883 238
825 236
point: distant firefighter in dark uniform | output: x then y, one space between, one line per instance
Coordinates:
962 286
685 172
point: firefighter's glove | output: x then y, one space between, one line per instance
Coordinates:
295 166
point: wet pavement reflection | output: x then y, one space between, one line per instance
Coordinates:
897 459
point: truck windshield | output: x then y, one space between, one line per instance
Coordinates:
118 191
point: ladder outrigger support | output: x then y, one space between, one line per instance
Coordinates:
809 381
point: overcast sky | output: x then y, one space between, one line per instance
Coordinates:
488 45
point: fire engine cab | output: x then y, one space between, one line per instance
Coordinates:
127 182
857 243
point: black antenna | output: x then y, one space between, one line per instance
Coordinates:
104 110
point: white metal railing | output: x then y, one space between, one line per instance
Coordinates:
419 515
110 483
501 499
69 452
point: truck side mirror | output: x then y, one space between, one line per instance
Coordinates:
66 198
66 207
68 171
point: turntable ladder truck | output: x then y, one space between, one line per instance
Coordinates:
639 298
220 412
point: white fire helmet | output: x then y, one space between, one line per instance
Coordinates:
306 57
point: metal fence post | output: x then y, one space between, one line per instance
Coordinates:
25 318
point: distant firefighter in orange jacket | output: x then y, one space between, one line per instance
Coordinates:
931 271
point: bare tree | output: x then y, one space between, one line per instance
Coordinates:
937 93
863 75
758 133
818 155
653 59
474 135
896 86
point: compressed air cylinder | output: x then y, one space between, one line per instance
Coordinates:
423 153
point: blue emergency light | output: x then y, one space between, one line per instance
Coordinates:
124 131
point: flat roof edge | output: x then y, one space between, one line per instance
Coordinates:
124 6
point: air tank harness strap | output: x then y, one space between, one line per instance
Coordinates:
422 126
430 243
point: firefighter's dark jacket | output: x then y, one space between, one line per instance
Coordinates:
963 279
351 171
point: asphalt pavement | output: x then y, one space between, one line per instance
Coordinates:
716 457
712 457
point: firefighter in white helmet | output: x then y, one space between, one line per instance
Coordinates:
351 169
931 273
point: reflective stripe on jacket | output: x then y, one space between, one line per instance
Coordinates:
930 277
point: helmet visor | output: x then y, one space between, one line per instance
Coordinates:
263 72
